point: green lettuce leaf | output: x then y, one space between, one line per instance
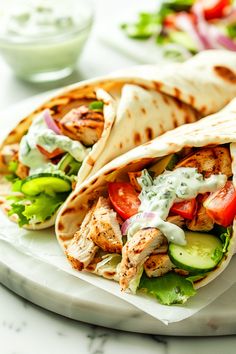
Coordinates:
225 238
169 289
37 209
18 209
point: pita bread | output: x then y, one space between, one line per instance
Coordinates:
140 104
216 129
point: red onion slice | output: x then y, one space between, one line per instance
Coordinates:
223 40
50 122
203 29
137 217
184 23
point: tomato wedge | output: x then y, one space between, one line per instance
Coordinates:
186 209
48 154
213 9
221 205
124 198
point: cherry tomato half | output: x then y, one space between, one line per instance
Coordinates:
124 198
221 205
186 209
213 9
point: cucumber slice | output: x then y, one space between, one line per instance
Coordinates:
65 161
49 183
201 254
167 163
69 165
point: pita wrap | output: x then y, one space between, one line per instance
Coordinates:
136 108
209 133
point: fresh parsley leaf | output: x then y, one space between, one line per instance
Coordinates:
169 289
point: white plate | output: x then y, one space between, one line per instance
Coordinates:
62 293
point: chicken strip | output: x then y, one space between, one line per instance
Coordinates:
209 161
81 251
9 153
22 171
201 220
104 228
137 250
157 265
83 125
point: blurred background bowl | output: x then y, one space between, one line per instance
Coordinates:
41 40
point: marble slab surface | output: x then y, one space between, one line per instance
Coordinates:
28 329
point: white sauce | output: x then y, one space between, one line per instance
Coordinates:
40 134
159 194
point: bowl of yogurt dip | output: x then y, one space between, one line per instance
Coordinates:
41 40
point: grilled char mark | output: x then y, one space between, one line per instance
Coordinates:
209 161
225 74
83 125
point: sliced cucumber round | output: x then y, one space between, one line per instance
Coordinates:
201 254
49 183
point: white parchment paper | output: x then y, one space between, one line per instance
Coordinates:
42 245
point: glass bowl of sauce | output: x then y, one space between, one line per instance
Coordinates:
41 40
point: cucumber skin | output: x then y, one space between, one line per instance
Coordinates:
44 175
190 269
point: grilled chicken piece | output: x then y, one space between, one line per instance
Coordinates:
137 250
201 220
81 251
157 265
22 171
177 220
104 228
83 125
209 161
9 153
